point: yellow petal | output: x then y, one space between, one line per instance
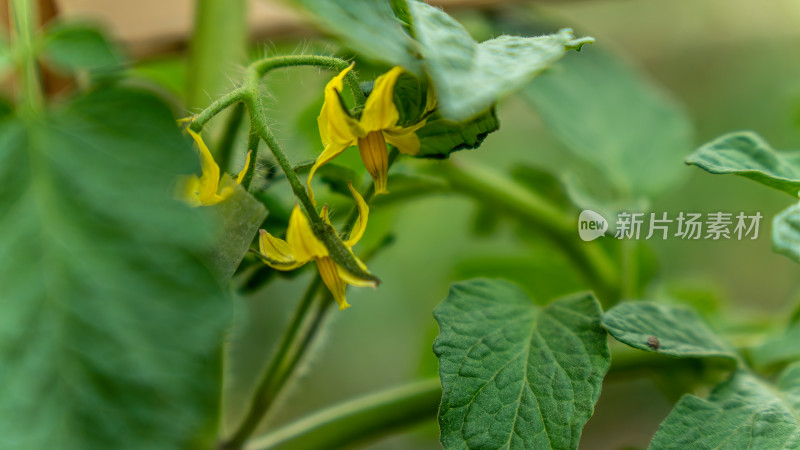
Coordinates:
380 111
278 251
330 276
301 239
376 158
336 127
241 175
361 224
405 139
208 182
330 152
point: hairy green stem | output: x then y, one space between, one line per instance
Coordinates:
24 14
506 195
263 66
358 420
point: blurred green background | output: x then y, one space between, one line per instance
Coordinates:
731 64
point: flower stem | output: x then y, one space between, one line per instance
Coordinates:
358 420
24 17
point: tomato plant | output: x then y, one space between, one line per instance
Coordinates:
142 232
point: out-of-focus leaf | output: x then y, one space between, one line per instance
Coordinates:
742 412
440 137
786 232
110 320
74 46
748 155
615 119
780 349
470 77
514 374
369 27
241 216
666 329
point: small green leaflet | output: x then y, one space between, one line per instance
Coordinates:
748 155
514 374
742 412
666 329
470 77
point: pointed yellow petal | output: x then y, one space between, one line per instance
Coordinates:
241 175
278 251
361 224
380 111
336 127
330 276
301 239
188 188
330 152
376 159
405 139
209 180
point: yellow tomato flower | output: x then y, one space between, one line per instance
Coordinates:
376 126
205 190
302 246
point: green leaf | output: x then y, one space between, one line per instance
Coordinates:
611 116
471 77
666 329
369 27
110 321
516 375
440 137
240 215
74 46
780 349
742 412
786 232
748 155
